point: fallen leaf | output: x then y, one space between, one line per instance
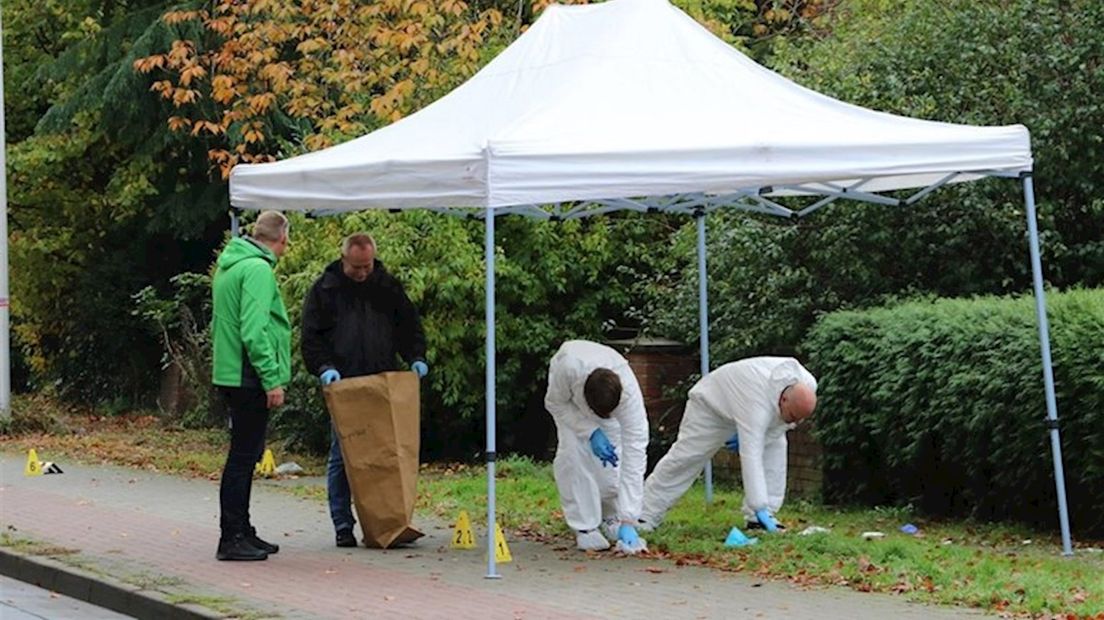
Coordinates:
655 569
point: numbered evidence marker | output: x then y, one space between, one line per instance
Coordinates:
502 551
462 536
267 466
33 466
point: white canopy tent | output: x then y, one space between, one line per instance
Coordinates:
631 104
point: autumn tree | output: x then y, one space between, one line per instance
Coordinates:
273 78
127 115
267 78
111 185
93 214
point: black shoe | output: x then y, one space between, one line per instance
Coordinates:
345 538
263 545
237 548
755 525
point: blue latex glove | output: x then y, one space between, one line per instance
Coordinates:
602 448
627 534
329 376
766 520
733 443
420 368
736 538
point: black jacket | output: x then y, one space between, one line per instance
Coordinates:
358 328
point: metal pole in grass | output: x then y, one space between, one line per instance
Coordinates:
703 324
5 309
489 259
1048 370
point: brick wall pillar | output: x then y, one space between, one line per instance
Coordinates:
803 473
659 365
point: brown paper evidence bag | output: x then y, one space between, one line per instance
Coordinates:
377 419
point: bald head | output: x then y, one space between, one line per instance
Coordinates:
797 403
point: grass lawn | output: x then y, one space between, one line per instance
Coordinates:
1000 568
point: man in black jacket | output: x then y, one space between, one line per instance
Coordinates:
357 320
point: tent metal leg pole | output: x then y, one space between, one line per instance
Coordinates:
703 325
235 226
1048 370
489 259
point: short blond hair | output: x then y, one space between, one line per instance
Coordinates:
357 240
270 226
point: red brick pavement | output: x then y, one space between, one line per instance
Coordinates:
311 583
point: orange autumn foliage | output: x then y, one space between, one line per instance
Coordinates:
259 79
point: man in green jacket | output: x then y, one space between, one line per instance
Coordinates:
251 366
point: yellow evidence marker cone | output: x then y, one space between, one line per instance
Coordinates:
462 536
267 466
34 466
502 551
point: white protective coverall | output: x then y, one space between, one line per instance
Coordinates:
741 397
590 492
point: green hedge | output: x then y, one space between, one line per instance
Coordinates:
940 404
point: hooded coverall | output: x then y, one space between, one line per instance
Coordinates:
740 397
590 492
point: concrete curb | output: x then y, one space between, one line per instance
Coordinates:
97 589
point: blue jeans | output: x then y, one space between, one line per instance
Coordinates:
337 487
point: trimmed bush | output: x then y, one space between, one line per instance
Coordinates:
941 404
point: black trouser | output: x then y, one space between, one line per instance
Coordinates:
248 410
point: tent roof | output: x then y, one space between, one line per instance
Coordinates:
623 99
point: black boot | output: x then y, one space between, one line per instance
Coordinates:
261 544
345 538
237 548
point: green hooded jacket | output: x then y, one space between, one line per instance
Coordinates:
250 328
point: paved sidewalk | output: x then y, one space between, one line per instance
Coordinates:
159 532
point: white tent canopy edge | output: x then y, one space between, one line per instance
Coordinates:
591 103
588 108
